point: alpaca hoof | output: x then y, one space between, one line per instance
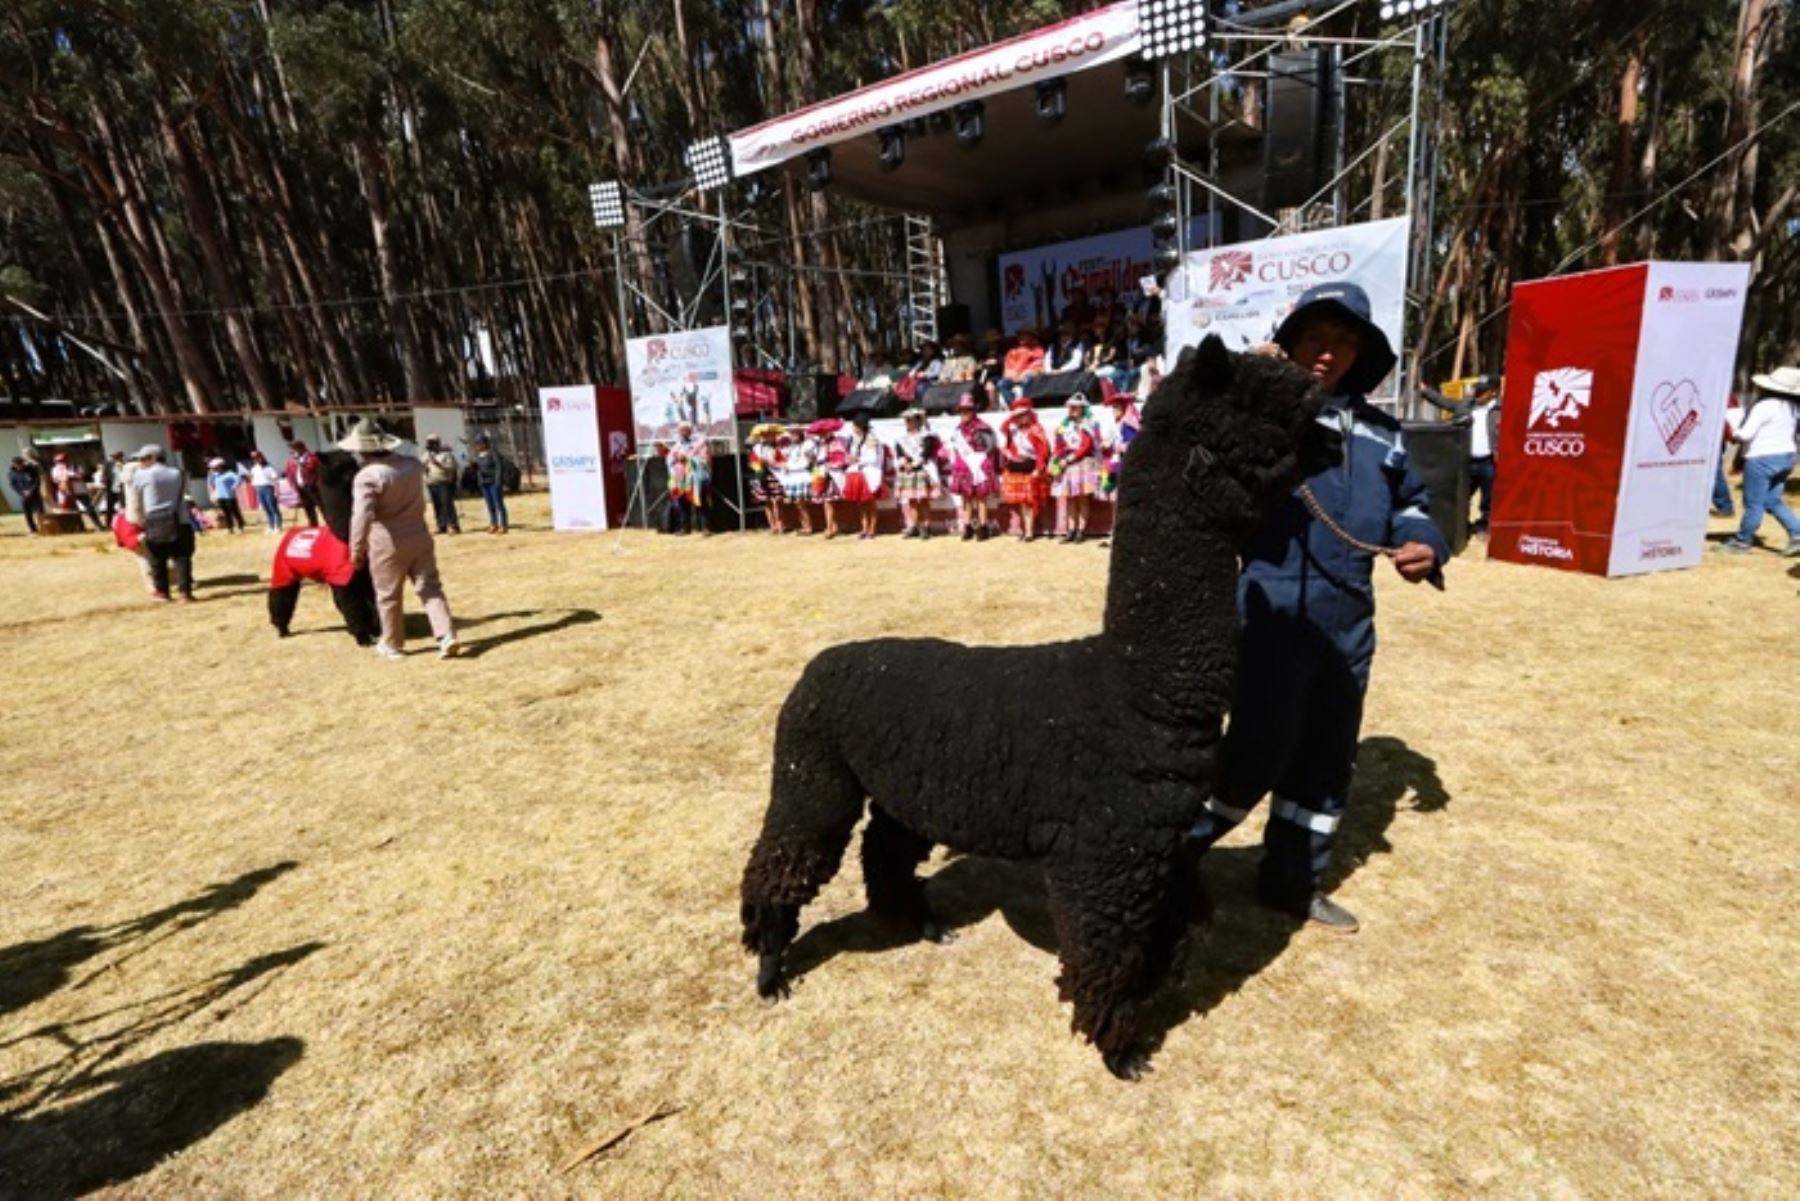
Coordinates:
1128 1065
771 985
938 933
282 633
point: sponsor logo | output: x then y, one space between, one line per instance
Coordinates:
1721 293
574 463
1668 295
1675 406
659 350
1230 268
552 404
1559 399
1650 551
1545 548
617 446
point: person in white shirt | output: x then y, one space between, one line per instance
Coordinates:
1767 433
1483 411
263 478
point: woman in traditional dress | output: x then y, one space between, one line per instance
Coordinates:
830 461
793 472
865 473
974 460
690 472
765 459
1025 453
916 473
1118 424
1074 468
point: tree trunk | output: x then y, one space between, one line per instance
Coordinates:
415 374
1617 203
1734 182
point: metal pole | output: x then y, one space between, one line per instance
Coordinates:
731 365
1340 95
1409 376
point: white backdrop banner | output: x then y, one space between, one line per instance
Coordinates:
1102 36
684 376
1035 283
1687 346
572 446
1242 292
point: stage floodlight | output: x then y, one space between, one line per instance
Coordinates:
1401 9
608 201
1052 100
709 162
818 169
1167 28
1140 82
1161 198
892 143
971 122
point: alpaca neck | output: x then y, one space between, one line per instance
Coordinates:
1171 612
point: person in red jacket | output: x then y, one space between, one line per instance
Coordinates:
303 477
1025 455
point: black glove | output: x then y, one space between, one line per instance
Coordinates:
1321 447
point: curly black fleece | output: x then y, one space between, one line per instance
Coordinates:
1092 756
355 600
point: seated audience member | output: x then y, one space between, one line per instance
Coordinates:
1068 352
990 369
879 371
928 363
1107 306
1106 356
1024 363
1078 311
961 364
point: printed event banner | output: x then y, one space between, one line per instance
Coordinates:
1242 292
1692 317
682 376
572 448
1035 283
1102 36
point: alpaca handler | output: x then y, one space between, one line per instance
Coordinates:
1307 602
388 532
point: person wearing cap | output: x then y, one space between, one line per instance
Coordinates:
1482 408
302 473
1074 468
27 482
222 485
1767 434
440 481
865 473
915 473
690 472
974 454
490 477
388 532
1025 453
1307 602
166 523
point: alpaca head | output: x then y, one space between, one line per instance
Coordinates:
1239 432
337 470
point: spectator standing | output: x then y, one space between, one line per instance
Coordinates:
1722 505
388 532
222 485
1767 433
128 526
263 479
69 482
167 525
107 477
1025 452
303 477
490 477
440 479
1483 411
28 481
1023 363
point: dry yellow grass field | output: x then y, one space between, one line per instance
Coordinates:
281 919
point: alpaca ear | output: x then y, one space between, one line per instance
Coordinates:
1212 366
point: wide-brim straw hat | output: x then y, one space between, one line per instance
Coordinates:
365 437
1783 381
912 414
768 429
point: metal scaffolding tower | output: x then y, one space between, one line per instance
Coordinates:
926 284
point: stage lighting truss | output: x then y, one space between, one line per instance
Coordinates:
1170 27
1394 10
709 162
608 201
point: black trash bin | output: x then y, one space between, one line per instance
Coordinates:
1438 452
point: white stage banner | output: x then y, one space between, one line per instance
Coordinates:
1102 36
1687 347
684 376
1242 292
1035 283
572 446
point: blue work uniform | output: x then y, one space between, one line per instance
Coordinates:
1307 602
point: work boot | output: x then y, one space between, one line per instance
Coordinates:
1314 908
968 534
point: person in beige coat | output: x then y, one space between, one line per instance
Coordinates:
388 532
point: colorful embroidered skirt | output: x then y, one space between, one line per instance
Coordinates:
1078 479
915 485
963 483
1024 488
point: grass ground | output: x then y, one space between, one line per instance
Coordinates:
281 919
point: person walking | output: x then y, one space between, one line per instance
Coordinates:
388 532
167 523
107 477
1767 434
302 473
490 477
222 485
28 482
1483 411
263 479
440 479
1307 602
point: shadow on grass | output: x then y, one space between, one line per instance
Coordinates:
30 971
474 648
1213 962
229 581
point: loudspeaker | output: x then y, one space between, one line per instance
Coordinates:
952 319
877 402
1056 389
1438 453
1298 121
942 398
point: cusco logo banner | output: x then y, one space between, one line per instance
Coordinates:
1242 292
1558 399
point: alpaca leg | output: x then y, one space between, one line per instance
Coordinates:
282 602
1107 911
890 853
815 805
356 602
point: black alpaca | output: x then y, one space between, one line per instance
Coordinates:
355 600
1093 756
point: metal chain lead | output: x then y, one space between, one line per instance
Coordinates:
1338 531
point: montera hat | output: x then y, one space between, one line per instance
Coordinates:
1350 304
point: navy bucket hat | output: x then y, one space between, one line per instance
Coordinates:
1350 304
